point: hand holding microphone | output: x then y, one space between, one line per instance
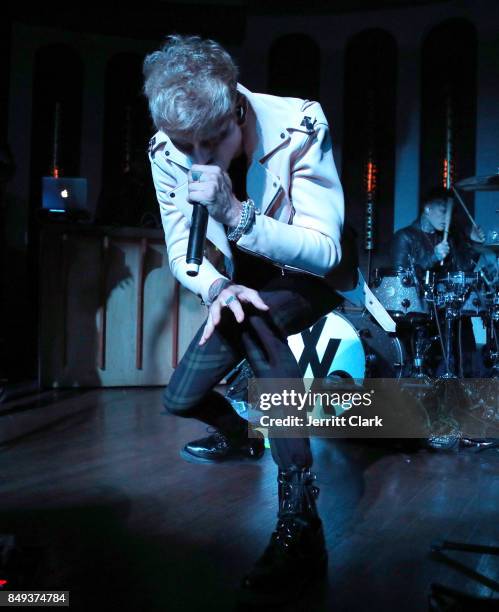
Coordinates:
197 234
210 192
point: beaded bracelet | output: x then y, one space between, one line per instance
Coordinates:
245 222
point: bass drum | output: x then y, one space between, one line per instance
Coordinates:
348 345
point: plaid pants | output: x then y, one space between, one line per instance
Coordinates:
296 301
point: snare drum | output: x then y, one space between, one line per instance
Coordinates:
400 293
458 282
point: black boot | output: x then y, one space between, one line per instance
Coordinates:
221 447
296 555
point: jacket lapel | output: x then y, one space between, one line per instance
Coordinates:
266 123
262 186
269 134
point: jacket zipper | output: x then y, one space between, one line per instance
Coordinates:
282 267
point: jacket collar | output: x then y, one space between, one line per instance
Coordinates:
268 129
416 224
268 133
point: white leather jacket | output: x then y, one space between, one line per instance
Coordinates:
292 180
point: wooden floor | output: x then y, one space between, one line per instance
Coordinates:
103 506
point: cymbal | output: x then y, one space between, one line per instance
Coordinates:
479 183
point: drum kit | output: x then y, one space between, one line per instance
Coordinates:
356 347
425 305
422 306
429 311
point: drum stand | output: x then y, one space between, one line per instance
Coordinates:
451 314
452 296
444 598
492 342
421 345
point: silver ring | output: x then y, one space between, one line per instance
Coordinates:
196 175
230 299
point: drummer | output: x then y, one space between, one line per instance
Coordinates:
422 244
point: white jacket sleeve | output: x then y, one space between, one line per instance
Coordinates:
311 242
176 227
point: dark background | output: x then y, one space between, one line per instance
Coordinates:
382 70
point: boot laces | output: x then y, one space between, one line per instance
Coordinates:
287 531
297 493
297 496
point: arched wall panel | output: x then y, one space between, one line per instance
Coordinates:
369 139
448 103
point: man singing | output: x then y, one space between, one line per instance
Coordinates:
263 167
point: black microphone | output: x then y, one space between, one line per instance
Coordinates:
197 237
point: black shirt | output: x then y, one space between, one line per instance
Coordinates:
249 269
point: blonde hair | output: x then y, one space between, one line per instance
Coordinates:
191 85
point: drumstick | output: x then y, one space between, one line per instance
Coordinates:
460 200
448 217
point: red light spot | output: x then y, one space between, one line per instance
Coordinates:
3 583
447 174
371 176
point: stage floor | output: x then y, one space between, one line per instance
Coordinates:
102 505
